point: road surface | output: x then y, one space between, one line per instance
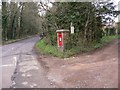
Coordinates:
17 59
20 68
96 69
10 55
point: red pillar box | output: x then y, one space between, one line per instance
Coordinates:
61 37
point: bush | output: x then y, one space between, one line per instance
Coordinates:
45 48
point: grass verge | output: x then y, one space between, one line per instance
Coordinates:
16 40
105 40
44 48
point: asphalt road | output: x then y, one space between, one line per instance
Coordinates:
11 55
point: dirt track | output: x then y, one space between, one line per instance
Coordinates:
97 69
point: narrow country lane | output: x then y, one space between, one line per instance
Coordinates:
17 59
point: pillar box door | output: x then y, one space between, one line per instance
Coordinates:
60 39
62 35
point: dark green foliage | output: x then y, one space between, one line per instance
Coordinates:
44 48
110 31
88 19
82 15
19 20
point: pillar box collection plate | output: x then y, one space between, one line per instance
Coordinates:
61 37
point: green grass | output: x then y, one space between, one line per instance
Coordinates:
0 43
109 38
48 49
44 48
15 40
105 40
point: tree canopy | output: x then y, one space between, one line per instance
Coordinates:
20 19
88 18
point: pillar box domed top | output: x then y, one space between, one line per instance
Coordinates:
62 30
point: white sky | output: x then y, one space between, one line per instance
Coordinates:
117 8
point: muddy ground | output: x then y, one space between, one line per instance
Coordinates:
96 69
